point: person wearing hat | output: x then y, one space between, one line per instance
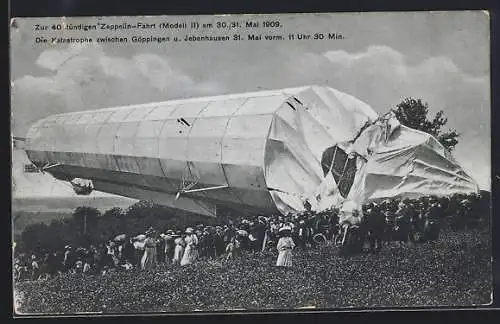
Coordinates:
228 233
209 243
219 241
285 247
191 250
128 250
268 236
178 249
68 258
233 249
259 232
404 222
462 210
149 259
431 224
35 268
302 234
374 224
169 246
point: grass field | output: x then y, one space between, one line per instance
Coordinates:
454 271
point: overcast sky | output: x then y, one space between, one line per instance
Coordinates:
442 58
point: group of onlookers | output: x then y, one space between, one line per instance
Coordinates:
407 220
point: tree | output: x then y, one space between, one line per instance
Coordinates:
34 237
113 222
115 212
414 113
86 218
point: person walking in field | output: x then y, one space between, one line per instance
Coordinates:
285 247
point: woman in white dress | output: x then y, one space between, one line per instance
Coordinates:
285 247
149 260
190 252
178 250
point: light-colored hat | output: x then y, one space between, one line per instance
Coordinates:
140 237
189 230
284 228
242 232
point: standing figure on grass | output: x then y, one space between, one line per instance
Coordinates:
178 250
138 243
68 258
169 246
35 268
302 234
285 247
190 252
233 249
149 259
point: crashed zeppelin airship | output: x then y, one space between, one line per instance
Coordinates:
261 152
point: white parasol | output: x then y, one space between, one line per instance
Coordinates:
120 238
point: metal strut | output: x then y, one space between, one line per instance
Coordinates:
200 189
51 166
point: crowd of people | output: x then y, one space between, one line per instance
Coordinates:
408 220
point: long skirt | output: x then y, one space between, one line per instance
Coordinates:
139 254
190 255
178 253
168 255
284 258
148 261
